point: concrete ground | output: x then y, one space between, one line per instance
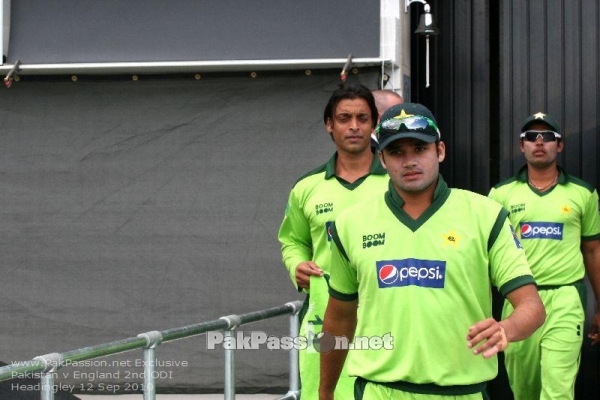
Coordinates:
182 397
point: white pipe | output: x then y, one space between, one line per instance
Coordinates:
427 61
186 66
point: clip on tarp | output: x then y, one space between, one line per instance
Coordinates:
347 66
8 79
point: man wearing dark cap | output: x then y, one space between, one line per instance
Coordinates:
420 259
558 223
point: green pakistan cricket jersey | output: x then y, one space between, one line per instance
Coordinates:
314 202
552 224
425 282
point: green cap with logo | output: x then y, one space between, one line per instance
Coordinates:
407 120
543 118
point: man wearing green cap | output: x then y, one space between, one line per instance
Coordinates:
421 259
558 223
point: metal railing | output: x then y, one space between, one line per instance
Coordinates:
47 365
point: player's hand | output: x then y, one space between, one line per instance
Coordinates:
594 333
304 270
487 337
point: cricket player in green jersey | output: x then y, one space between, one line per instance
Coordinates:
557 220
418 265
352 174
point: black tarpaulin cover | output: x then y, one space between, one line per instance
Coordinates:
128 207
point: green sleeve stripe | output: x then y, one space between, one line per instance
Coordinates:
581 183
336 240
505 182
502 215
515 284
342 296
589 238
320 169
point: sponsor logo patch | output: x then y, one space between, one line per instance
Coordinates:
515 208
541 230
374 239
323 208
410 271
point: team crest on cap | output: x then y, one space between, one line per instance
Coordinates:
539 115
403 114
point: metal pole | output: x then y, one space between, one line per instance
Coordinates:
51 362
47 380
233 321
229 367
294 391
426 60
294 355
151 67
153 339
149 382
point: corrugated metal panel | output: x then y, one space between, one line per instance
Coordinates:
549 52
459 92
549 62
495 63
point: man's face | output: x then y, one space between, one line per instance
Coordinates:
351 126
413 165
540 154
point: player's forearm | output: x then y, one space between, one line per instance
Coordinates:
528 315
339 321
294 253
292 256
296 241
331 368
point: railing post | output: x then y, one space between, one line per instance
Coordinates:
153 339
233 321
52 362
294 352
294 391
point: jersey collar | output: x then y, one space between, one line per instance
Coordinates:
395 203
441 190
563 177
376 167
